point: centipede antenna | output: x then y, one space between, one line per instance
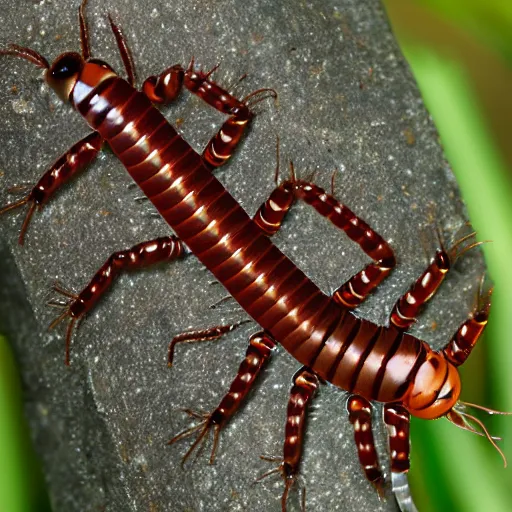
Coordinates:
268 473
200 440
84 34
20 188
278 158
200 415
311 176
124 50
485 431
464 421
215 443
485 409
191 64
26 53
463 239
235 83
455 416
185 433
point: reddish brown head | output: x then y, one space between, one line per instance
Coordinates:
435 392
435 389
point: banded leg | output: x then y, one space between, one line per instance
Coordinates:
360 415
351 294
141 255
305 384
407 308
257 355
166 87
68 165
210 334
457 350
397 421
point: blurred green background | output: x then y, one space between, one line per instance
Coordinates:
461 55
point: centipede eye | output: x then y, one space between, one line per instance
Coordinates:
446 396
66 66
64 72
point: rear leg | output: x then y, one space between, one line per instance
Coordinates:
360 415
305 384
397 420
257 355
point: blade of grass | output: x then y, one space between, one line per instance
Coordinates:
472 472
21 487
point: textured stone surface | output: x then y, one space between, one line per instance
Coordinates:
347 100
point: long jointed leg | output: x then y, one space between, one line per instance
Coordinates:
272 213
257 355
360 415
457 350
210 334
460 346
166 87
67 166
407 308
397 420
305 384
141 255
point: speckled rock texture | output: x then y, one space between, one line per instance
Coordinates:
347 101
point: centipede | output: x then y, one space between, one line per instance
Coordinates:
323 333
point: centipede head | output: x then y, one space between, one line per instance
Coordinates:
61 76
63 73
435 389
434 393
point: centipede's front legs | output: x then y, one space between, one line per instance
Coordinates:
66 167
141 255
164 88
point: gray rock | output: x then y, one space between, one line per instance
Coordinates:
347 101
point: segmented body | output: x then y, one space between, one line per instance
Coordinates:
320 333
383 363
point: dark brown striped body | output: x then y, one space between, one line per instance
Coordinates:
373 362
352 353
